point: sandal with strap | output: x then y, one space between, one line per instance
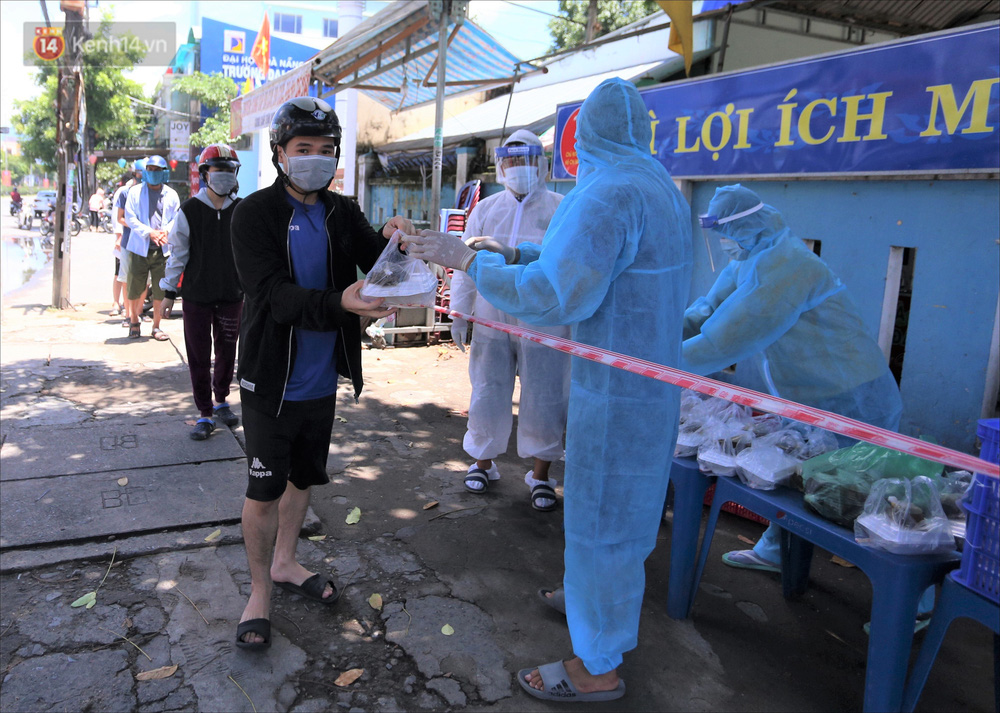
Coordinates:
134 331
481 477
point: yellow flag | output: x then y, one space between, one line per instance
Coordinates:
248 85
681 29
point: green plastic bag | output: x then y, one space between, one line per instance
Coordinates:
836 484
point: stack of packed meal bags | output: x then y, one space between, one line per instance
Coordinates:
894 501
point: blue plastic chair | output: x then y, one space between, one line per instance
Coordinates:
898 581
956 601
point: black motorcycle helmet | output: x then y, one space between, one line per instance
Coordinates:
302 116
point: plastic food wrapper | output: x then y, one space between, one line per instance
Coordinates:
905 517
723 441
400 280
771 460
837 484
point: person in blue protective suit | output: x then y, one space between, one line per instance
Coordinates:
615 263
779 305
521 213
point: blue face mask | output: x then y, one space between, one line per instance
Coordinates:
154 178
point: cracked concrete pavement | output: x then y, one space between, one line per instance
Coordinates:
83 409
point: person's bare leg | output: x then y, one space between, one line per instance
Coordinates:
133 309
156 313
542 469
291 515
260 524
485 464
116 292
580 677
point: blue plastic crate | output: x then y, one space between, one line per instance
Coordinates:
980 570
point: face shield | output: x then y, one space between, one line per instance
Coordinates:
519 167
710 230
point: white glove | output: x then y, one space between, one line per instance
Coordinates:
441 248
510 254
459 332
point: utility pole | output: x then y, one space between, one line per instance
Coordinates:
69 97
442 11
591 21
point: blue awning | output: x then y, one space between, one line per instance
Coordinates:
392 57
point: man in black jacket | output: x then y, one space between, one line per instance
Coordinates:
201 252
298 247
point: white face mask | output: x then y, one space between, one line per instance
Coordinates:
311 173
521 179
222 182
733 249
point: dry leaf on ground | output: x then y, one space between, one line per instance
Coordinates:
123 481
841 561
447 630
375 601
747 540
349 677
157 673
317 538
353 517
431 504
214 536
340 418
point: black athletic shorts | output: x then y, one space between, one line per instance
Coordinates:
290 447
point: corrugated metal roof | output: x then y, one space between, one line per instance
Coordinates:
906 17
392 57
533 109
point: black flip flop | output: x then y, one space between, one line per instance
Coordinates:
477 475
261 627
312 589
543 491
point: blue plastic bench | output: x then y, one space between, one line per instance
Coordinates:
897 580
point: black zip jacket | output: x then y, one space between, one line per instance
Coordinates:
274 306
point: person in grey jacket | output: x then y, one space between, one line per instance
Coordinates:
201 256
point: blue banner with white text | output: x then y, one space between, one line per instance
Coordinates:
925 104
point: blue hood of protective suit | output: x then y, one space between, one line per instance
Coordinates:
759 229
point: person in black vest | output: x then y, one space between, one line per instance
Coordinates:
201 252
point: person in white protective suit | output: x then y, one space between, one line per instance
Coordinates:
615 264
779 304
521 213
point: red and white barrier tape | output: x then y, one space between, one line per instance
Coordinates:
746 397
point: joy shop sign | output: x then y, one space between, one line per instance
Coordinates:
919 105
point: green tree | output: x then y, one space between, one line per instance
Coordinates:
570 30
214 92
110 112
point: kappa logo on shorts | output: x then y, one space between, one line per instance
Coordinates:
257 469
248 385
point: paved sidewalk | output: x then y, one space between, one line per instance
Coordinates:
97 466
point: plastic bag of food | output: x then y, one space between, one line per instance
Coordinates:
400 280
905 517
723 441
695 413
771 460
837 484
